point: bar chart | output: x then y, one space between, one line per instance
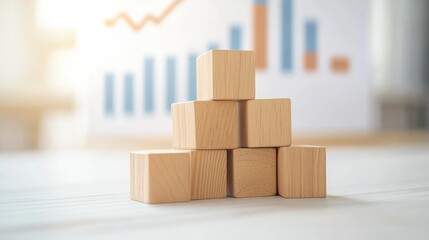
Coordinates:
311 51
339 64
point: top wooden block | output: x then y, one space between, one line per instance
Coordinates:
226 75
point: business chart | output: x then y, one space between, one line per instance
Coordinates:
314 52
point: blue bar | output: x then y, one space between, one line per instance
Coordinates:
213 46
235 41
192 77
148 86
310 36
108 94
171 83
261 2
128 93
286 35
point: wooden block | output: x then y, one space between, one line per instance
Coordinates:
265 123
302 172
226 75
252 172
205 125
160 176
208 174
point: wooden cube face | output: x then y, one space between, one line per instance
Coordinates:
160 176
302 172
208 174
265 123
226 75
205 125
251 172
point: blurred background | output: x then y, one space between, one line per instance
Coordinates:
79 74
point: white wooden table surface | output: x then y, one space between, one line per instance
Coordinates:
374 193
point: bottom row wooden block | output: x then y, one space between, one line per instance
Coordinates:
159 176
208 174
301 172
252 172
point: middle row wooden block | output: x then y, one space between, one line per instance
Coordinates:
231 124
205 125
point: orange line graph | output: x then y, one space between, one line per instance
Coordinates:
136 26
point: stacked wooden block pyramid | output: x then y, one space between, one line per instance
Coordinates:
227 143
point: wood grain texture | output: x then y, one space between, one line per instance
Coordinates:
208 174
160 176
265 123
226 75
302 172
251 172
205 125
